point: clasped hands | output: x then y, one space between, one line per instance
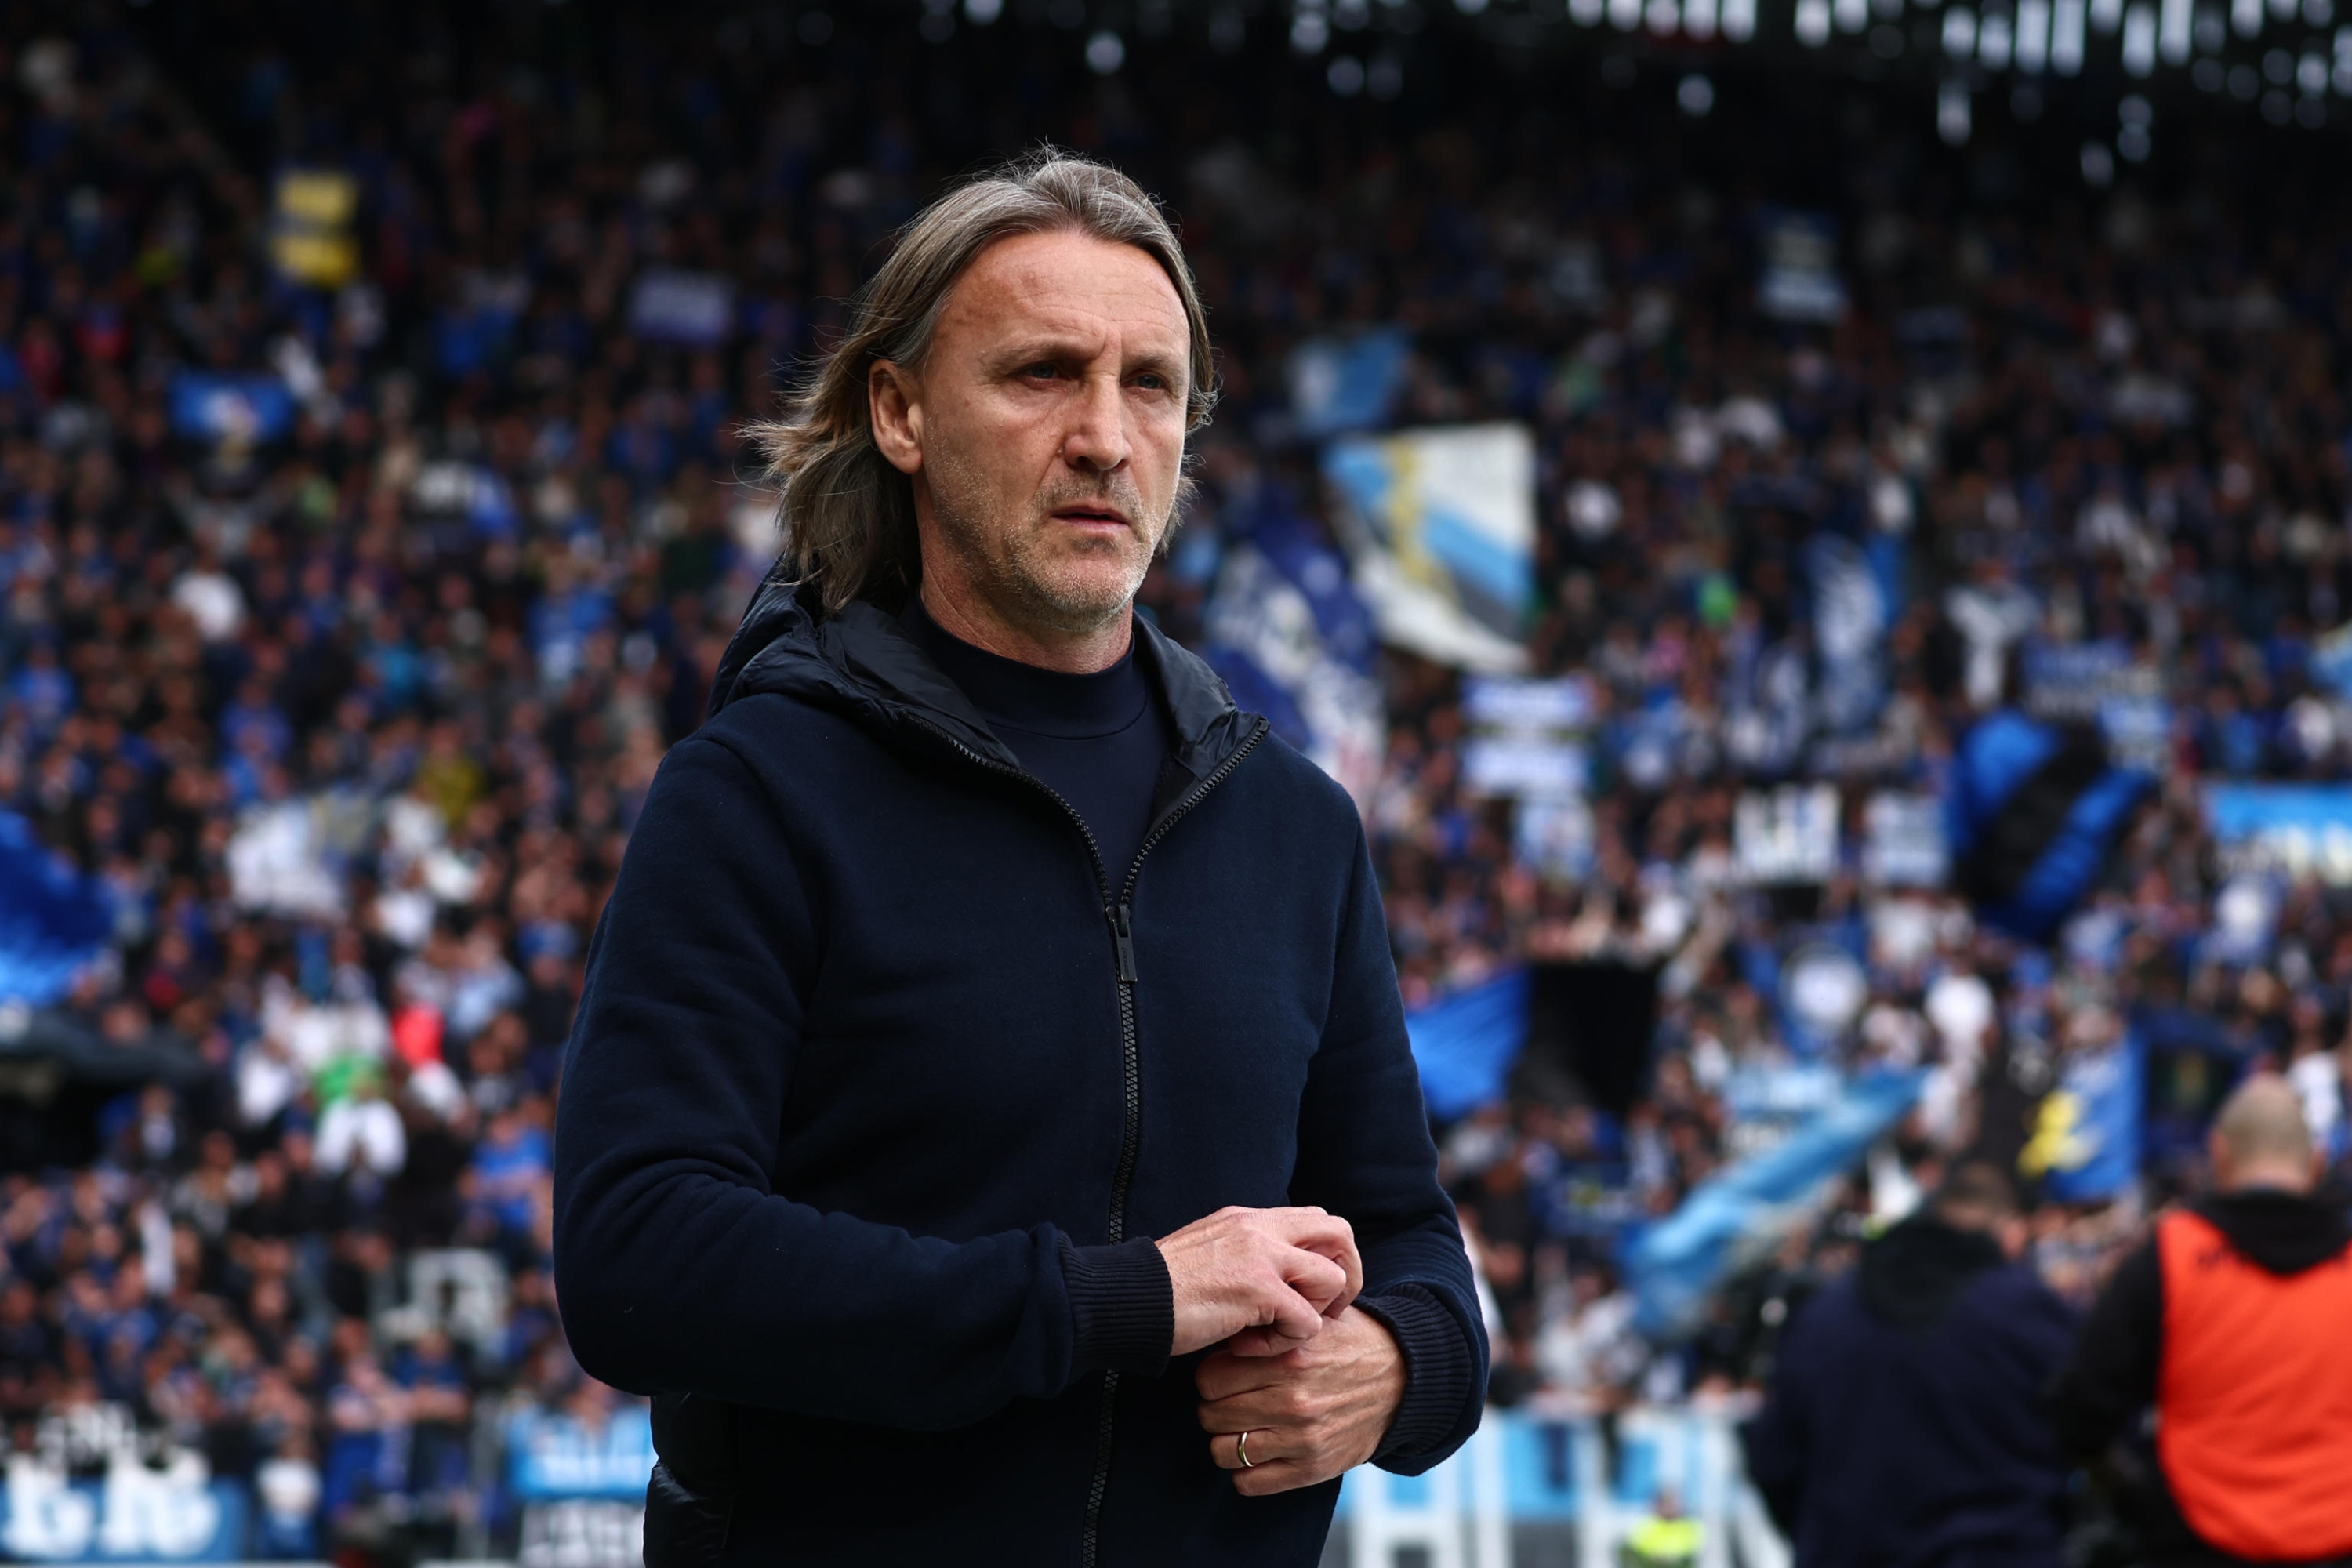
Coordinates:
1303 1377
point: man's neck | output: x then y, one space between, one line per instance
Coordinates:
2292 1184
1071 653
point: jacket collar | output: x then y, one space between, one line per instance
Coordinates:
858 662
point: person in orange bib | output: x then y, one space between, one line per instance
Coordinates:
2235 1322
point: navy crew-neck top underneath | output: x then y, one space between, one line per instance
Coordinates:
1098 741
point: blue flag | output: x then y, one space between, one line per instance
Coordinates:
1337 386
1466 1044
1291 640
2086 1135
1675 1263
208 405
1851 614
53 920
2033 811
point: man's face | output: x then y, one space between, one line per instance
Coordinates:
1044 433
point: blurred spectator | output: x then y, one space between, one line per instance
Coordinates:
1905 1415
2226 1322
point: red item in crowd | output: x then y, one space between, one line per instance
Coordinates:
417 1034
163 989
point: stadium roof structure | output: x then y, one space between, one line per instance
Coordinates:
2289 61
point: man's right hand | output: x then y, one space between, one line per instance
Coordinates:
1263 1279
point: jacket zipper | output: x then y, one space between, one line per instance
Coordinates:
1119 916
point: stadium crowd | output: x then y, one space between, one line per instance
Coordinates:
352 718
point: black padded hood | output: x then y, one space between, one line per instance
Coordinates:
858 662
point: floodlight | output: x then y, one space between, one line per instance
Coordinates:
1952 112
1993 41
2033 36
2172 32
2066 38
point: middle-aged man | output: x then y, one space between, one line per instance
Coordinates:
2235 1322
1905 1426
989 1131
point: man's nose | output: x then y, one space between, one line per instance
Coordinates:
1097 438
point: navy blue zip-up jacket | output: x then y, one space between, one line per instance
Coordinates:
880 1083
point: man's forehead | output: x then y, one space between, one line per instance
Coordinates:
1067 286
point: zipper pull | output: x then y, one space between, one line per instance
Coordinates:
1122 937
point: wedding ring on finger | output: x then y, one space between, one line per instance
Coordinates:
1241 1451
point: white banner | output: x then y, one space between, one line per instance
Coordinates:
1441 524
1785 835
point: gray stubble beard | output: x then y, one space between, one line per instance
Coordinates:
1005 569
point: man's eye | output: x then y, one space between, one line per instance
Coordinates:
1151 383
1044 370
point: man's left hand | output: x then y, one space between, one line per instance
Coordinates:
1310 1413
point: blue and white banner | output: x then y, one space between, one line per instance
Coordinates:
1787 834
1782 1094
555 1455
1552 835
2071 680
1822 989
1442 525
1502 702
1801 282
2300 831
1287 632
1337 386
2102 683
670 306
1851 616
1534 767
1903 841
1543 1468
2086 1147
1466 1044
135 1515
474 491
582 1532
1674 1264
1528 737
2331 660
209 406
53 919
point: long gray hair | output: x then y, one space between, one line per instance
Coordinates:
847 515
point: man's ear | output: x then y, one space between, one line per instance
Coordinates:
894 403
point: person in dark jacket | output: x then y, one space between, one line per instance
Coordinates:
2231 1321
989 1132
1903 1426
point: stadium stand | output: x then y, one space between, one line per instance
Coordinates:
372 514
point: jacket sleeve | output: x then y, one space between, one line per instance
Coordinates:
678 1268
1365 1153
1778 1443
2111 1377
